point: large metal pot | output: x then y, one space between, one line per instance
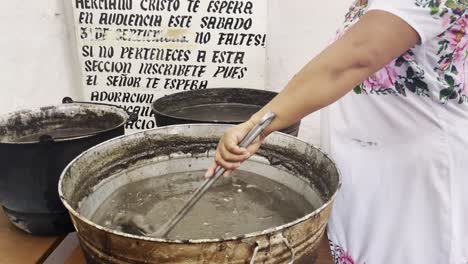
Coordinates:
98 172
167 109
35 147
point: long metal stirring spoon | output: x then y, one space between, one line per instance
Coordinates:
251 136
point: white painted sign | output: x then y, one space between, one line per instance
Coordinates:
135 51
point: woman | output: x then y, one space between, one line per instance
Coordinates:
398 134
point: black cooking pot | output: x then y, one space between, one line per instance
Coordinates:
213 106
35 147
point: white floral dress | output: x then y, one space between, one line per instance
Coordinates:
400 140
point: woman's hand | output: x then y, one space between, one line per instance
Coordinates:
228 153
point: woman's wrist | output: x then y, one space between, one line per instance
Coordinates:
255 119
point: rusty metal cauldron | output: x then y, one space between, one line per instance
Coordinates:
183 148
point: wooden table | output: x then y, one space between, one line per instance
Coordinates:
17 247
324 255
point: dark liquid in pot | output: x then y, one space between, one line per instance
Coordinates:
217 112
241 204
57 133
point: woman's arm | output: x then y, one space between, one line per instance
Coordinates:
374 41
378 38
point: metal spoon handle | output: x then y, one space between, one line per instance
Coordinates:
248 139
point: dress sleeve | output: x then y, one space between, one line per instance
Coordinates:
428 17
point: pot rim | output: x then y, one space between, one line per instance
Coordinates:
280 228
120 111
157 112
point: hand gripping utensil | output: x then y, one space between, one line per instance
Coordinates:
251 136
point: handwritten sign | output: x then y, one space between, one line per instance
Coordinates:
135 51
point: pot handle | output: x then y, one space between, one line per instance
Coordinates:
254 255
132 116
284 240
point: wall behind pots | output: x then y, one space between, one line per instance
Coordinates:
38 64
298 30
36 54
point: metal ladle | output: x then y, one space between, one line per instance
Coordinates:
251 136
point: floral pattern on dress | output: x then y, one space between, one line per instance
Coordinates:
451 69
406 74
452 53
339 255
